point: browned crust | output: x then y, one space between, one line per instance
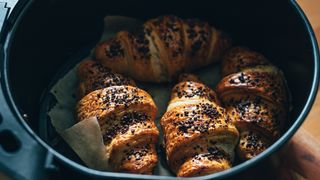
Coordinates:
220 43
264 81
197 36
126 117
190 88
205 164
104 102
93 76
139 55
251 144
255 95
165 47
238 58
252 112
167 34
197 126
186 126
141 158
113 54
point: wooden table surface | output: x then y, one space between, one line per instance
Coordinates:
312 10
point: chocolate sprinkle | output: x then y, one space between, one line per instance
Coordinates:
141 44
127 120
214 153
195 119
254 142
193 90
115 49
104 78
257 111
137 154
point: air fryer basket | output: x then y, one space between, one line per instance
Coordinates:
40 37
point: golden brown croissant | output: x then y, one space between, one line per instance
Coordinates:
93 76
163 48
198 137
254 93
126 117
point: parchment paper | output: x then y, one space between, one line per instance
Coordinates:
85 137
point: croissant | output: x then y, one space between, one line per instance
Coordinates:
163 48
125 114
255 95
93 76
198 137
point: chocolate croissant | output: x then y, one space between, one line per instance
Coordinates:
163 48
198 137
255 94
125 114
93 76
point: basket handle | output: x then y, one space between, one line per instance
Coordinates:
21 156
